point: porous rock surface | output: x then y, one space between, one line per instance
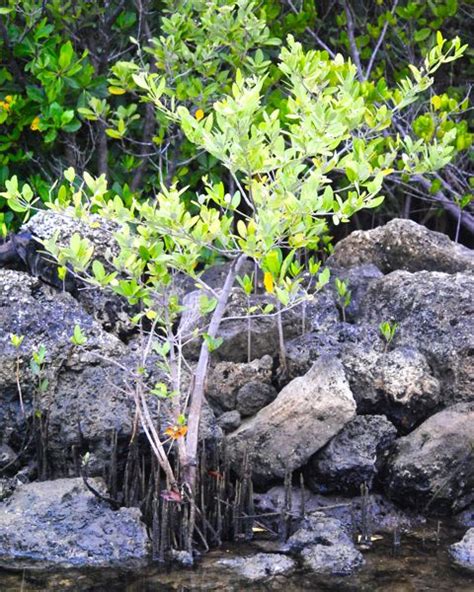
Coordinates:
227 379
109 309
261 566
325 546
435 315
432 468
402 244
306 414
62 523
462 552
353 457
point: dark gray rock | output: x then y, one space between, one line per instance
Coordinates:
253 396
47 318
337 560
462 553
402 244
318 529
325 546
353 457
318 313
226 380
349 342
358 279
435 315
61 523
306 414
375 514
229 421
261 566
433 467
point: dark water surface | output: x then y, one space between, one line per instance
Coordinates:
419 565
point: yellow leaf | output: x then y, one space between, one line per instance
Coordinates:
241 228
268 282
115 90
436 102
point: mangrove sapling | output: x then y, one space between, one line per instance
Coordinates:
16 341
344 296
247 284
322 158
387 330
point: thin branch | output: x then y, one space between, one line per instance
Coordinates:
379 43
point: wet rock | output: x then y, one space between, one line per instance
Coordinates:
435 315
462 553
318 529
253 396
325 546
353 457
375 513
433 467
62 523
306 414
261 566
340 560
229 421
226 380
402 244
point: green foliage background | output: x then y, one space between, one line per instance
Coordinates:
69 94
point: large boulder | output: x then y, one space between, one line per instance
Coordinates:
74 376
462 552
306 414
399 383
87 400
435 315
433 467
62 523
353 457
402 244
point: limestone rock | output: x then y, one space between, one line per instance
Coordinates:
261 566
463 552
226 380
402 244
435 315
353 457
306 414
433 467
62 523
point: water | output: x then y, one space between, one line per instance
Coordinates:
418 564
